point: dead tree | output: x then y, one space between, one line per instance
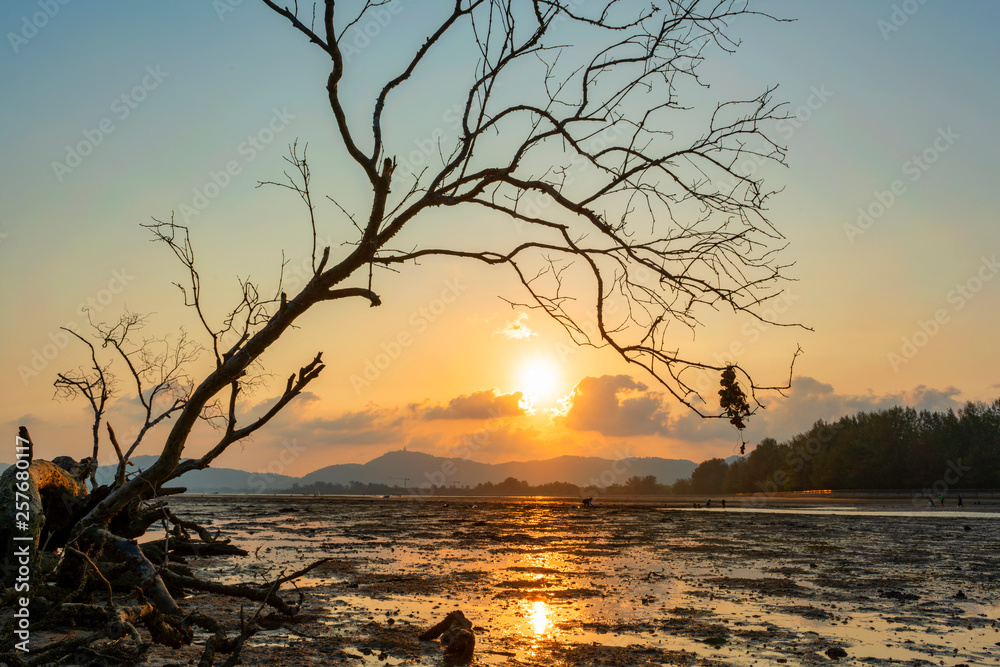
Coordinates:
613 236
621 212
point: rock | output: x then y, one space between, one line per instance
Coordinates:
836 653
24 521
456 635
79 471
54 498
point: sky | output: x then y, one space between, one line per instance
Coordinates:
125 112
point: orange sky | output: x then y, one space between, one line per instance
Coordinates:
903 303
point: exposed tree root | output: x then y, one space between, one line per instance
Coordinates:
265 594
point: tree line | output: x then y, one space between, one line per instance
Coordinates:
634 486
896 448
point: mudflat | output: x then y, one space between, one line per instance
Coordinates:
548 582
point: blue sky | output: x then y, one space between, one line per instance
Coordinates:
894 107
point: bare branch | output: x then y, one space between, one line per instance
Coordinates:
97 388
622 212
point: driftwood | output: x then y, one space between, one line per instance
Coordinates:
115 639
129 552
183 547
106 585
265 594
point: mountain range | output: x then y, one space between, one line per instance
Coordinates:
412 469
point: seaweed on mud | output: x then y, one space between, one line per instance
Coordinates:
806 611
693 627
627 656
765 585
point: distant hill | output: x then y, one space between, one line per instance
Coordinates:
405 468
417 468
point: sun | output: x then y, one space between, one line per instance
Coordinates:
539 379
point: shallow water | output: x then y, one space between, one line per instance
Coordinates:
850 511
549 583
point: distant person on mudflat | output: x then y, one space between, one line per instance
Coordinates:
960 504
941 498
708 503
723 503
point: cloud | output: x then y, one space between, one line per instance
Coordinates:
517 329
478 405
27 419
616 405
368 426
297 403
504 441
809 401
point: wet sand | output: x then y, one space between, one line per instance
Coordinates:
546 582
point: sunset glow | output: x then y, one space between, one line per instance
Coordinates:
519 332
540 379
448 359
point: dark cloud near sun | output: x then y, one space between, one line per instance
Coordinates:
478 405
616 405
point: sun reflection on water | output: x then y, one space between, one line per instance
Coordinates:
540 617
